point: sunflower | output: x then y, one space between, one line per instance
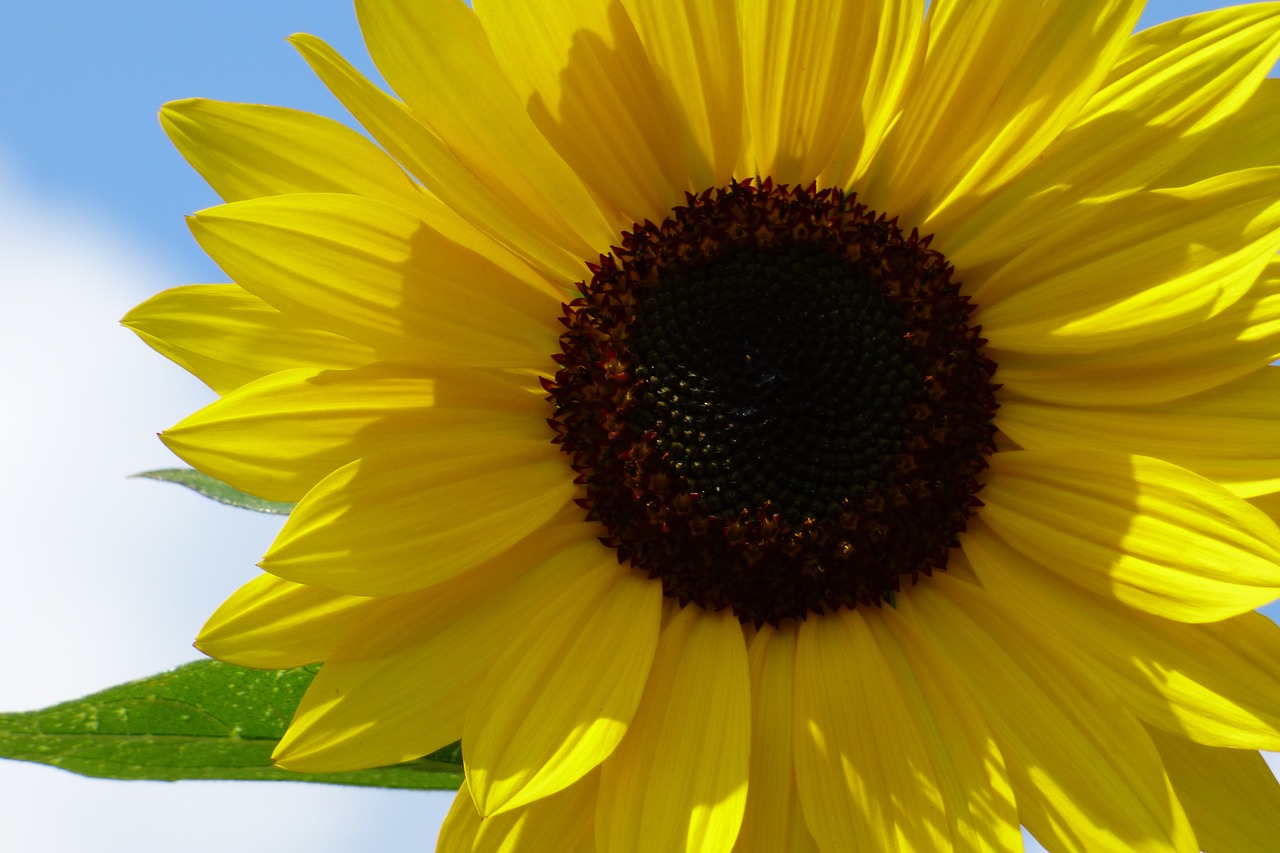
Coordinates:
763 425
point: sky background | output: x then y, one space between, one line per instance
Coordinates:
105 579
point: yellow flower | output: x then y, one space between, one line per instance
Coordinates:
644 441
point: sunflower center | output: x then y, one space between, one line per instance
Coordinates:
773 376
774 402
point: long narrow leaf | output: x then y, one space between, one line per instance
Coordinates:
216 489
204 720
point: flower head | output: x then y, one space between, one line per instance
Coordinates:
763 425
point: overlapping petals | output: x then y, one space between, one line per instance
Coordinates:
1088 665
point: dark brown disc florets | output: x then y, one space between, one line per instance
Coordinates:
774 402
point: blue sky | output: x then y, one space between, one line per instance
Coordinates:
103 579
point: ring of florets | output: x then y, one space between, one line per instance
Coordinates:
773 401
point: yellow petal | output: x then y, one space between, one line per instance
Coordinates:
250 150
1246 139
271 623
462 825
1192 55
423 154
554 824
396 522
773 820
1173 85
822 74
697 702
1085 774
899 51
572 63
1074 46
1139 530
873 766
280 435
862 766
437 57
1030 67
1217 683
1066 57
982 808
228 337
399 685
1229 434
1239 341
696 54
1134 268
1231 795
377 274
1269 504
560 700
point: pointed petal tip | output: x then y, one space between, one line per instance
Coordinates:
177 108
305 41
286 756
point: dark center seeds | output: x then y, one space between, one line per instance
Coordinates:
773 375
774 402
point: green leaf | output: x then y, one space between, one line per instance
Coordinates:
205 720
216 489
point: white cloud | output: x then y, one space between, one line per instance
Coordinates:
104 579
